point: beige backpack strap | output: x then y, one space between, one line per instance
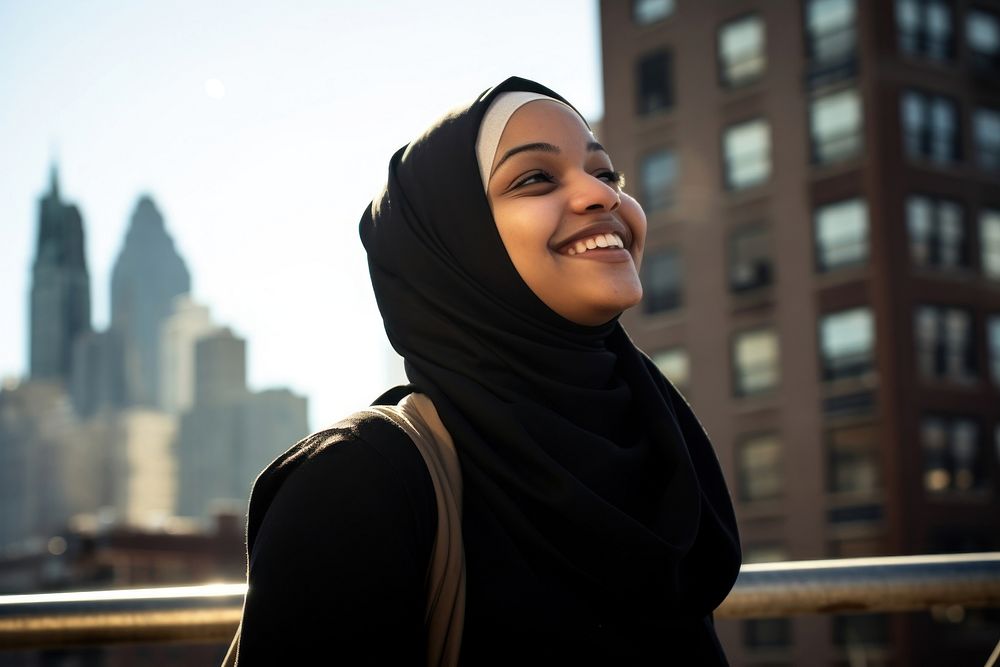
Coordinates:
445 615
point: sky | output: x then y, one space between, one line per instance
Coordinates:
261 130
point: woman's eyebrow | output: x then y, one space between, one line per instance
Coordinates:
537 146
545 148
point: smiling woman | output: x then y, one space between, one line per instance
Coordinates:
596 527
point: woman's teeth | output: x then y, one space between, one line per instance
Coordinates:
599 241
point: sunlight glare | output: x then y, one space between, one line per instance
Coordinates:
215 89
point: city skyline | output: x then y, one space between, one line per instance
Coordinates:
242 124
146 419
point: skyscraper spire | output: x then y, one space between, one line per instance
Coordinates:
54 181
60 287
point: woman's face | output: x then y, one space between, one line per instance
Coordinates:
574 237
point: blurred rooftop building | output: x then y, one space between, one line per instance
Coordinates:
104 551
822 280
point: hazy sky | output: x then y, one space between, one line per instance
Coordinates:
261 130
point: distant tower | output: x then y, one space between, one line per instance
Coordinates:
188 322
210 443
60 288
230 433
220 369
147 276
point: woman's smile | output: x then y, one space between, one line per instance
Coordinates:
610 236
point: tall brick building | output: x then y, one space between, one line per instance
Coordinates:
822 276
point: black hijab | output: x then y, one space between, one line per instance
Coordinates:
585 453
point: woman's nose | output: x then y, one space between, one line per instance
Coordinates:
594 194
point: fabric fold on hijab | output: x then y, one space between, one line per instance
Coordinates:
590 459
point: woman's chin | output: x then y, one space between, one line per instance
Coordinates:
599 313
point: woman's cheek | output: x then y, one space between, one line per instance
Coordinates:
635 218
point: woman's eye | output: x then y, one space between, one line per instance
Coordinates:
615 178
533 178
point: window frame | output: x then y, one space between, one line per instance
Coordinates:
652 204
987 154
989 247
983 61
725 67
658 18
775 468
762 266
739 385
643 107
768 634
921 143
853 454
822 258
651 299
821 153
839 55
766 153
935 357
979 457
923 41
935 244
828 365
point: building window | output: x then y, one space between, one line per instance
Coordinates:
945 345
747 149
930 127
835 122
830 29
952 457
986 138
658 179
673 363
749 259
760 468
765 553
767 633
937 232
925 28
847 343
982 33
855 514
857 631
841 234
662 281
755 356
993 333
989 242
853 466
645 12
654 84
742 57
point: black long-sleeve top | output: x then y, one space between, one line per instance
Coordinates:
339 536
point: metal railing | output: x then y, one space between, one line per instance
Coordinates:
210 613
